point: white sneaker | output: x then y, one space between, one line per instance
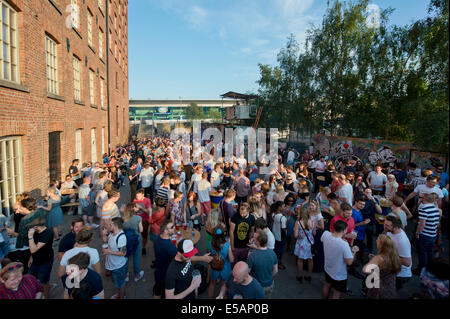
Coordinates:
127 278
140 276
70 213
116 296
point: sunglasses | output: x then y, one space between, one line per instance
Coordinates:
11 268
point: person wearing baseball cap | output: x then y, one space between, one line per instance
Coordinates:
180 283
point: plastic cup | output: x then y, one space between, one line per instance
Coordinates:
178 227
185 227
196 273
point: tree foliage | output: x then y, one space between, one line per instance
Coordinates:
353 79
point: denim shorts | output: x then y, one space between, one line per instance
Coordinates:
118 276
41 272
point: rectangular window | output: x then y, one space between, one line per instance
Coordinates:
100 4
110 39
117 120
51 49
75 14
102 97
124 121
9 65
76 78
78 149
11 172
93 146
89 27
103 141
100 43
91 87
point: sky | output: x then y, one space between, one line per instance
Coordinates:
200 49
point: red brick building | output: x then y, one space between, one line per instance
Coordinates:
64 70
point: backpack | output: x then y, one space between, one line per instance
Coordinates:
132 241
217 263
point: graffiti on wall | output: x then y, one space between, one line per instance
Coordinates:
371 151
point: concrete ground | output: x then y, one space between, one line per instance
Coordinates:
285 287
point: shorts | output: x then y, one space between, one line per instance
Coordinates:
159 289
88 210
240 254
400 281
205 208
118 276
338 285
41 272
268 291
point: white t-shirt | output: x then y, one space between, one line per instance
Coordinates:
423 189
403 245
114 262
215 179
291 156
377 180
270 240
146 177
278 220
346 191
202 189
320 166
93 253
335 251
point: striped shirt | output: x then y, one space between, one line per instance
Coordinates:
110 210
28 288
163 192
429 213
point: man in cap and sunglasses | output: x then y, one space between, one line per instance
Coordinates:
181 280
15 285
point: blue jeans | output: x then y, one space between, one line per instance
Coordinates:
137 258
4 249
118 276
425 250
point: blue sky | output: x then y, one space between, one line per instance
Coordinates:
200 49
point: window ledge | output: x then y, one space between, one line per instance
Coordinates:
14 86
94 106
56 6
77 32
103 108
92 49
102 61
55 97
79 102
101 11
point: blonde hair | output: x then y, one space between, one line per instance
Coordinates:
52 190
304 216
129 212
213 219
315 202
388 251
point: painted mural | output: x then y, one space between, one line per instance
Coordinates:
371 150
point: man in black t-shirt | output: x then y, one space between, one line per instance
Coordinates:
40 241
133 175
242 227
68 241
227 170
90 285
180 284
73 171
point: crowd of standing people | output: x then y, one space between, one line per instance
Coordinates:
338 219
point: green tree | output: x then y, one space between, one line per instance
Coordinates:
194 112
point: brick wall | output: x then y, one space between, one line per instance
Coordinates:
26 109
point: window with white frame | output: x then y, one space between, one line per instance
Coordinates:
102 97
89 27
100 43
51 49
110 39
9 65
76 78
100 4
11 172
78 149
75 14
91 86
103 141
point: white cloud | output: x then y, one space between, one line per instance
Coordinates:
197 17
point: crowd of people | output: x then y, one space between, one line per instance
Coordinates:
339 219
